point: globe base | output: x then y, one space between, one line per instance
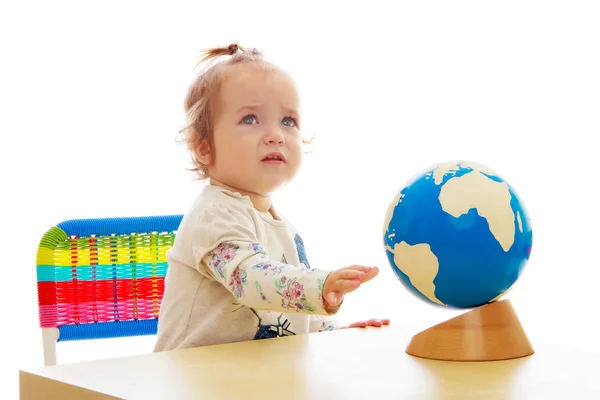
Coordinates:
488 333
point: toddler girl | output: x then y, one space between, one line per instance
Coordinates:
238 269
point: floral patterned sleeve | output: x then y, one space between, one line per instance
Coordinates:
227 248
256 281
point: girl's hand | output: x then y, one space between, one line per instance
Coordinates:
345 280
371 322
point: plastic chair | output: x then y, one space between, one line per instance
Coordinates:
102 278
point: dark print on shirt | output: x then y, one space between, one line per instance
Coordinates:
301 251
267 331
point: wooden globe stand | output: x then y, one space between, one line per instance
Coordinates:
487 333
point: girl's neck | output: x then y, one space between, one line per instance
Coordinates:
260 202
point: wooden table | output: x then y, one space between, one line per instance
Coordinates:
347 364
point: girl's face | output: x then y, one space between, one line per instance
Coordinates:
257 140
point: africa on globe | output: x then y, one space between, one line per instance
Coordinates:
457 235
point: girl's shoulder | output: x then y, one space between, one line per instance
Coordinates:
216 206
213 198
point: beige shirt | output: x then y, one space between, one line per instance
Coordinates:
236 274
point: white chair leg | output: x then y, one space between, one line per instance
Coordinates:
49 339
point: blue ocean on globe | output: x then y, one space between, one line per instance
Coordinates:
457 235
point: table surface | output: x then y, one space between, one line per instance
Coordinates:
345 364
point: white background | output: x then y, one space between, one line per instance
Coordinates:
91 101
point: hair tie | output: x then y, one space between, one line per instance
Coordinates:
232 49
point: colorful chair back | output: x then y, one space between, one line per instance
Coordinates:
102 278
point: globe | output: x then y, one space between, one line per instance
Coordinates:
457 235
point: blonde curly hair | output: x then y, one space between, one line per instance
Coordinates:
199 100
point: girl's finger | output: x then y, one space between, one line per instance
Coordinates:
350 274
362 268
370 275
346 286
375 322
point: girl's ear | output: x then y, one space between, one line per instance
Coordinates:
204 153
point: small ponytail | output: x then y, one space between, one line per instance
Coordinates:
237 52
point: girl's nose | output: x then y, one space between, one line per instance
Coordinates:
275 136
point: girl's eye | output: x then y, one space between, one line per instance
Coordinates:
249 120
289 121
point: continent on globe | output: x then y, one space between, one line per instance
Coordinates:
407 258
490 198
457 235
